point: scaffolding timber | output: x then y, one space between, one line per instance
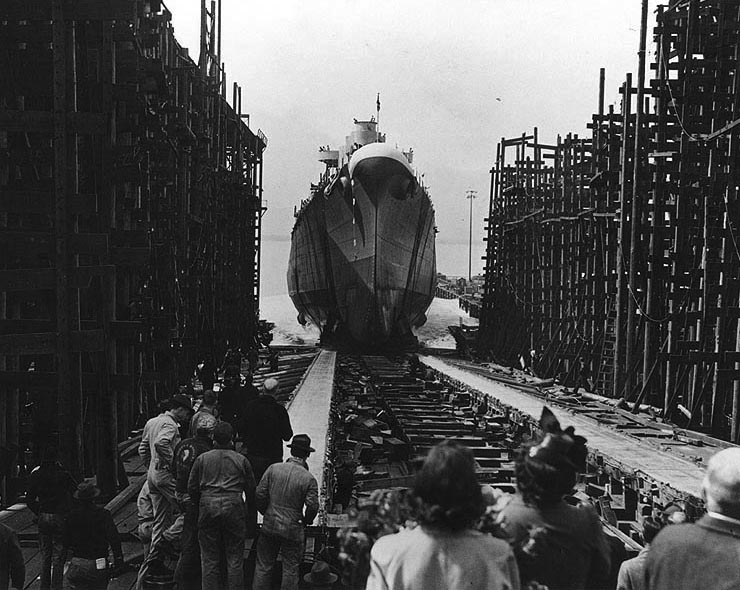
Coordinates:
615 257
130 208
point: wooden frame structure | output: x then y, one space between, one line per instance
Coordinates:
130 208
616 258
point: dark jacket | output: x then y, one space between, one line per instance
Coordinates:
186 452
90 531
267 425
572 553
50 489
705 554
282 493
232 404
12 568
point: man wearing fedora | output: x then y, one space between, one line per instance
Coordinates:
288 497
266 426
90 532
320 576
157 449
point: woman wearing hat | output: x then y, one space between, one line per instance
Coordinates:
444 551
556 544
90 532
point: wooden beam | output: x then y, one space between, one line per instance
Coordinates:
44 278
41 202
43 122
14 10
46 342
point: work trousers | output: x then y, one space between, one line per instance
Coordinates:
51 544
221 531
268 547
187 572
84 575
162 493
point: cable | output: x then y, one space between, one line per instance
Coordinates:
666 80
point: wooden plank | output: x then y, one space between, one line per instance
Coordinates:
85 243
15 10
42 380
28 279
43 122
22 201
45 342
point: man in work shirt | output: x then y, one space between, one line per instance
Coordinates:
283 492
219 481
157 449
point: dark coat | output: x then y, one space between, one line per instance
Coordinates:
705 554
572 553
12 568
267 425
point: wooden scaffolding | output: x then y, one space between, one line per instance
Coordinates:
130 207
612 262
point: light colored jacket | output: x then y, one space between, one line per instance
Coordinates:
425 559
158 442
283 491
632 572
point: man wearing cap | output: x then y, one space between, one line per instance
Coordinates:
208 406
187 572
703 554
288 496
157 449
266 426
89 534
231 399
219 481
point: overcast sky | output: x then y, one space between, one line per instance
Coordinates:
454 76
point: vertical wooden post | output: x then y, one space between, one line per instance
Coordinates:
70 451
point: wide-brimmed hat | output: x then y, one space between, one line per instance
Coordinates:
301 442
181 401
320 575
87 490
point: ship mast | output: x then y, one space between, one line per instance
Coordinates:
377 118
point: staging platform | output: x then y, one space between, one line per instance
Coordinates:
638 455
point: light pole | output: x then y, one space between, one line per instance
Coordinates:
471 194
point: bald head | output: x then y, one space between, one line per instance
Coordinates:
722 483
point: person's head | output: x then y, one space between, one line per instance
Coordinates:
650 528
181 407
446 488
209 398
270 386
232 375
86 491
205 425
223 433
300 446
547 470
721 486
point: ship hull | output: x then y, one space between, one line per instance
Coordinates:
362 263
